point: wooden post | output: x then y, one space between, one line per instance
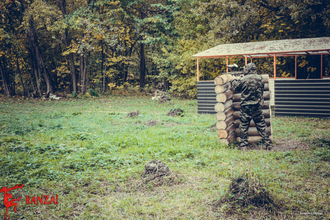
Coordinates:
321 66
245 59
227 63
197 69
274 66
295 66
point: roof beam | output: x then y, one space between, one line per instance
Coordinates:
289 47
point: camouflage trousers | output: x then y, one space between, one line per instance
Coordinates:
254 112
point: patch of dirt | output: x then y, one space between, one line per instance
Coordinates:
246 191
287 144
151 123
132 114
171 124
175 112
280 145
158 173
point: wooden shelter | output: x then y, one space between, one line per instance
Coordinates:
293 96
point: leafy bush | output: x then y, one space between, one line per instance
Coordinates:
92 92
184 87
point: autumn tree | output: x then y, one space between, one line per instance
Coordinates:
73 45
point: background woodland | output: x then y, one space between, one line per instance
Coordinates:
79 46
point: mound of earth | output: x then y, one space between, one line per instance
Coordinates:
175 112
246 191
132 114
158 173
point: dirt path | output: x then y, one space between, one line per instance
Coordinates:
284 145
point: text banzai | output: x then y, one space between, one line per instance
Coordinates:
42 200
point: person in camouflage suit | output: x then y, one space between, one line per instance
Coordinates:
251 86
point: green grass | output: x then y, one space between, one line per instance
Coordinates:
90 154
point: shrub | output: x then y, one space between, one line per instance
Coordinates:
74 95
92 92
184 87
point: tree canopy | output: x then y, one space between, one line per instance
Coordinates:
65 46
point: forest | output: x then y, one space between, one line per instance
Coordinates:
78 46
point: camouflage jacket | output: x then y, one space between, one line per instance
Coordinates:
251 87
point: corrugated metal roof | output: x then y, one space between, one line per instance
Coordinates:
302 46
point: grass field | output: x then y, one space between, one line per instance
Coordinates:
91 155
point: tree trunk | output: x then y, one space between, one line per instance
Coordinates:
4 83
102 69
73 73
20 76
35 67
35 53
142 66
46 75
142 54
71 59
125 73
83 72
62 5
38 80
34 87
8 80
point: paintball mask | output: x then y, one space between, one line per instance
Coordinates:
249 68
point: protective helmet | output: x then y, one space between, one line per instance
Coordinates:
249 68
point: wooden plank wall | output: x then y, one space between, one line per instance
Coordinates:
228 111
